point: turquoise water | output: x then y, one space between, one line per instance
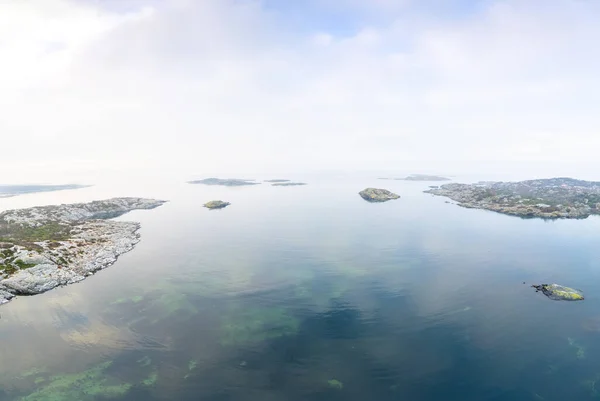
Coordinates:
311 293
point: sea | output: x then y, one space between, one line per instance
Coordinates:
310 293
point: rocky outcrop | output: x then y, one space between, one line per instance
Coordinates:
216 204
231 182
377 195
51 246
553 198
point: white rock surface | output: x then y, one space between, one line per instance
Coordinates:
92 245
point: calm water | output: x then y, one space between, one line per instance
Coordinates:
311 293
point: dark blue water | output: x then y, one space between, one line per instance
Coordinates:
311 293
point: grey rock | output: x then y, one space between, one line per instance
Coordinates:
93 244
553 198
377 195
105 209
216 204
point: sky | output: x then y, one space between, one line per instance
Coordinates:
195 88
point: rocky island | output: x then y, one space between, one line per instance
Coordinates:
377 195
288 184
49 246
216 204
230 182
552 198
277 181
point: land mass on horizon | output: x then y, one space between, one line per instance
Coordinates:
14 190
228 182
552 198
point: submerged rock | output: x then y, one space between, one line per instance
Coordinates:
216 204
559 292
377 195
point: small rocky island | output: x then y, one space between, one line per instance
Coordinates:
49 246
216 204
277 181
230 182
377 195
553 198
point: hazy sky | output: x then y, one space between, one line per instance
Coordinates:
225 86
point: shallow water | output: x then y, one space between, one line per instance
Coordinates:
311 293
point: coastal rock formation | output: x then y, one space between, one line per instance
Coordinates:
231 182
216 204
50 246
559 292
552 198
377 195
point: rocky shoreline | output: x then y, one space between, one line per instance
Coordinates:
46 247
554 198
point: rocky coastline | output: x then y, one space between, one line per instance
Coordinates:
553 198
42 248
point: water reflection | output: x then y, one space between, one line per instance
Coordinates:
414 300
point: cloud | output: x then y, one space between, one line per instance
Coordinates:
235 86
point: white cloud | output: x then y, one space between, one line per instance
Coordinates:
227 86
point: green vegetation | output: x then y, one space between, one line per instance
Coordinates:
52 231
151 379
579 350
90 384
22 265
255 325
336 384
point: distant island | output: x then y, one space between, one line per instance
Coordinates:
231 182
288 184
277 181
216 204
49 246
553 198
377 195
419 177
424 177
13 190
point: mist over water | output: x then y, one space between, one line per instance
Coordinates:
311 293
